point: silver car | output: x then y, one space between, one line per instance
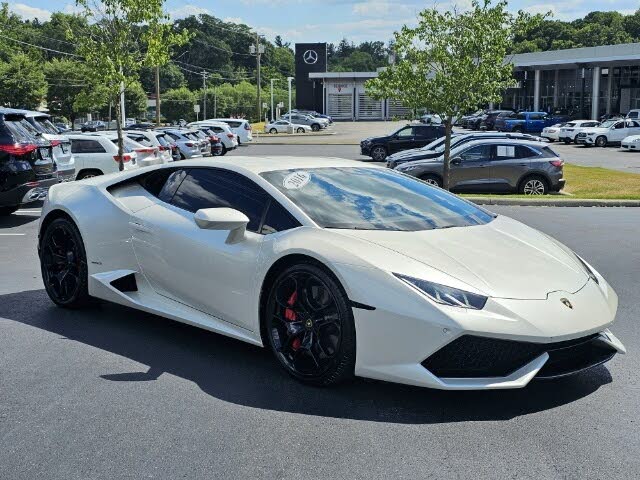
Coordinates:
188 144
497 165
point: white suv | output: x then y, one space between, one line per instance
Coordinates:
239 126
611 131
152 138
98 155
570 130
228 139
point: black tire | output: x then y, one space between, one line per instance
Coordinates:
224 150
63 263
551 140
432 179
300 130
534 185
315 127
601 141
292 320
575 139
567 140
517 130
88 174
5 211
273 130
182 157
379 153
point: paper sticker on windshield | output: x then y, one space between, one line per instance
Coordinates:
296 180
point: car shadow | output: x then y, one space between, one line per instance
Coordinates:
17 220
247 375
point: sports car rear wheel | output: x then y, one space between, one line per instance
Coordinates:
310 327
64 264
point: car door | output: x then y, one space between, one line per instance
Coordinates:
508 165
401 140
196 266
424 135
617 132
470 169
537 121
632 128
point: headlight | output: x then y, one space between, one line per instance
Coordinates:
590 272
446 295
636 140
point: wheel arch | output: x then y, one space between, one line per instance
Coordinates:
89 170
534 173
50 217
279 266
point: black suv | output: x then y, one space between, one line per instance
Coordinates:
410 136
27 169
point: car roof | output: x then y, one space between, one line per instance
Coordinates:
510 141
259 165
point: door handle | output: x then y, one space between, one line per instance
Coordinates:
140 227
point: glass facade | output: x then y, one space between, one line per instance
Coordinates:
570 91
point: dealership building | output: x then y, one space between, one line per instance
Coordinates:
585 82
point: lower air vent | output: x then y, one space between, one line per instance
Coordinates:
126 283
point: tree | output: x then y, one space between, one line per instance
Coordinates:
135 101
178 104
120 37
22 82
67 79
170 77
452 62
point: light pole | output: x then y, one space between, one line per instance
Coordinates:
290 126
204 86
272 115
257 50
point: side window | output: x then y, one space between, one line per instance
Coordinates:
476 154
537 116
521 116
424 132
619 125
525 152
505 152
173 136
405 132
591 124
163 183
86 146
277 219
633 115
212 188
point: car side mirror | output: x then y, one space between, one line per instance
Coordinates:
455 161
223 219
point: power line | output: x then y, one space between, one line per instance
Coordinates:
40 47
223 49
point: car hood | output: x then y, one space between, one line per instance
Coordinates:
416 154
502 259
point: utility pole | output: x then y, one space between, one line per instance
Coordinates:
204 87
257 50
289 127
272 115
157 96
215 101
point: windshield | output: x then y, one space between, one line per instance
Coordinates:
608 123
361 198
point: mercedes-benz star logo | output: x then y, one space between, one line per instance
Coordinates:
566 303
310 57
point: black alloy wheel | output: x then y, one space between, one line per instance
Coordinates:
310 327
273 130
63 264
601 141
379 153
300 130
315 127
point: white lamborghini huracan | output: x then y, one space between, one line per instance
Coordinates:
340 268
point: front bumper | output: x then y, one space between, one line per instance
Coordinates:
365 149
399 343
67 175
27 193
630 145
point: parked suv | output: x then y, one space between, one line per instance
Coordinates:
62 156
498 165
239 126
314 122
609 132
409 136
27 169
436 148
488 123
97 154
228 138
570 130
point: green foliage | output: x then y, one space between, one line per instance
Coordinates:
170 77
22 82
178 103
135 101
452 62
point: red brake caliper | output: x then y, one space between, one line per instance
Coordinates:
291 316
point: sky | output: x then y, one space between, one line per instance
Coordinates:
332 20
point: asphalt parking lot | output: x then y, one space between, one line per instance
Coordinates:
115 393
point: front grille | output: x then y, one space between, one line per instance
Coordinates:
582 135
477 357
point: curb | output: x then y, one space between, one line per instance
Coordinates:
576 202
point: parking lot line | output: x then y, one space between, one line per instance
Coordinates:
12 234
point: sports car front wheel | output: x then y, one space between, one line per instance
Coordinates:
63 263
310 326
